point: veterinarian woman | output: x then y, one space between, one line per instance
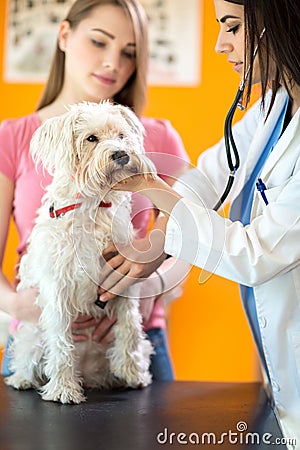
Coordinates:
258 246
101 54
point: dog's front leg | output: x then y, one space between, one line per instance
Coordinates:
26 356
130 355
64 383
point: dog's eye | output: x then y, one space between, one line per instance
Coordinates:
92 138
121 136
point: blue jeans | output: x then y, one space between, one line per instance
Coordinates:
5 370
161 367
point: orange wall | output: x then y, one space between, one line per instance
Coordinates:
209 337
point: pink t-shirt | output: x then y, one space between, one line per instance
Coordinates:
162 144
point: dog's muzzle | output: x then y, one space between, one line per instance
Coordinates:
120 157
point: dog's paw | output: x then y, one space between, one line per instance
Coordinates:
65 397
18 382
63 394
139 381
131 370
133 378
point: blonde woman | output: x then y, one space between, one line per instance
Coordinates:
101 54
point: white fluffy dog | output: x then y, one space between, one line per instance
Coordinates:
87 150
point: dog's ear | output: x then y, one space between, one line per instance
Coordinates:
53 143
133 121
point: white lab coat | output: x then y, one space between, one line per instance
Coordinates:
264 254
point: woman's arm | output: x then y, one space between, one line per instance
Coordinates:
20 305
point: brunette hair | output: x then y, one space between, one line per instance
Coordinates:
133 93
280 45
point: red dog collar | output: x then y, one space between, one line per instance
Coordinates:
55 213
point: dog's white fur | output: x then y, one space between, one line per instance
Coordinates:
64 257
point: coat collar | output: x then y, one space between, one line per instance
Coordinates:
263 133
283 144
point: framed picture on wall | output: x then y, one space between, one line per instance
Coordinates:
174 40
31 31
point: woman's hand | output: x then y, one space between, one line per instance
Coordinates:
103 329
23 306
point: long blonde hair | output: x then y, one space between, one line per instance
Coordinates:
133 93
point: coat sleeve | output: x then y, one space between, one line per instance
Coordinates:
250 255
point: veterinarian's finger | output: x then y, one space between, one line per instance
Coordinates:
109 255
110 248
114 279
118 288
114 269
115 261
122 186
134 183
110 251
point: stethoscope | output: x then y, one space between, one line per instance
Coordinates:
232 154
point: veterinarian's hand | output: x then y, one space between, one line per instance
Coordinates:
23 306
136 183
155 188
130 264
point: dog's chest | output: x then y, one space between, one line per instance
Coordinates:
70 247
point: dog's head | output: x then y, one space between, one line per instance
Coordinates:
94 144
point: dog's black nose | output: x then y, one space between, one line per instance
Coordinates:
120 157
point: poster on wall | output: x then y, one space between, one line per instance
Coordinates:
174 40
31 31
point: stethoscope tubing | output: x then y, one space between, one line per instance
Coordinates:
230 146
232 154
